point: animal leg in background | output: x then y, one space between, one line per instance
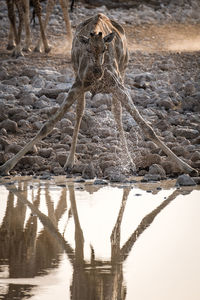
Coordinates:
38 11
13 28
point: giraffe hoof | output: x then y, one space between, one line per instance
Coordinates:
17 54
68 169
37 49
47 50
10 47
26 49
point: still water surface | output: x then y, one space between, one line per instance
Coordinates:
66 240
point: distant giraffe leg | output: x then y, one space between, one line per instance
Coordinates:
117 111
11 40
27 26
73 94
11 15
64 5
119 91
49 8
79 114
38 11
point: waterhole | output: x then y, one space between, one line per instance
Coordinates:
64 239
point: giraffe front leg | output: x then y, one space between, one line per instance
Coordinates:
79 114
43 132
117 112
123 95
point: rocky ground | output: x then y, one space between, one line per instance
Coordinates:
163 79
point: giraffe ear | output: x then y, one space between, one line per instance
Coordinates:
108 38
83 39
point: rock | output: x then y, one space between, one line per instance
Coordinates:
61 97
31 160
13 148
156 169
28 99
186 132
81 148
58 171
18 113
170 167
9 125
191 103
166 103
45 152
101 99
151 177
114 174
2 158
61 158
89 171
180 151
100 182
148 160
195 156
196 180
29 72
185 180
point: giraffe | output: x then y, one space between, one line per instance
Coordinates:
23 8
99 57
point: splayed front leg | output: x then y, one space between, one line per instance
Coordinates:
79 114
119 91
43 132
117 112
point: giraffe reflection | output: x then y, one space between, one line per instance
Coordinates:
94 279
28 252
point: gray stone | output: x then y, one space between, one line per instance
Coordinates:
185 180
89 171
9 125
45 152
156 169
188 133
151 177
17 113
28 99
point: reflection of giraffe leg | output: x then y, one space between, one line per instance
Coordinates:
116 233
79 239
117 111
123 95
73 94
145 223
47 223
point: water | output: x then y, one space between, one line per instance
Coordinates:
66 240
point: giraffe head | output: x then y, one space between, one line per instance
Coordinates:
96 47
